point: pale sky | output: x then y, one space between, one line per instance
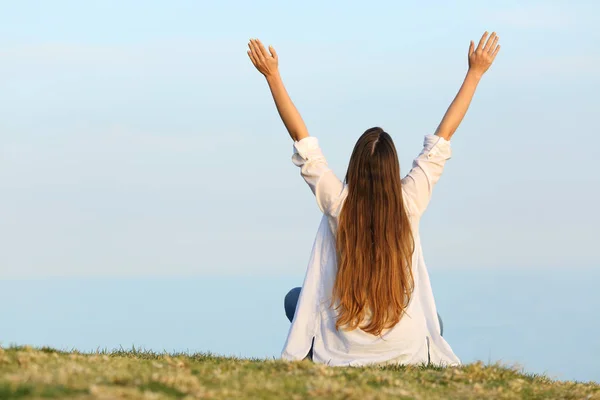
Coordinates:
136 138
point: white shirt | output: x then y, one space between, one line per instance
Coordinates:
416 338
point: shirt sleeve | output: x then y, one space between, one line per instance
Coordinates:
426 170
323 182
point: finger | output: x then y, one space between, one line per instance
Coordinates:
251 51
492 47
495 53
489 42
251 57
262 49
482 41
471 47
273 52
256 51
255 56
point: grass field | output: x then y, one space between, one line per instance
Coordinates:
27 373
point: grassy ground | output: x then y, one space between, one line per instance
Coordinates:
27 373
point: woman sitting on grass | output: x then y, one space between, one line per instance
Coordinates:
366 297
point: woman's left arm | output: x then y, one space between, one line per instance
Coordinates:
307 153
267 63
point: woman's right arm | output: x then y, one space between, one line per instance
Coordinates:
480 60
429 165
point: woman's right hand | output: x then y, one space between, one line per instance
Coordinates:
481 58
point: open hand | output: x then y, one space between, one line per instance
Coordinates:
481 58
265 63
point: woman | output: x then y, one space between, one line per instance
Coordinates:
366 297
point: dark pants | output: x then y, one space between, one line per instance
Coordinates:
291 300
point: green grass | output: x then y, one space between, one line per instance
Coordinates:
27 373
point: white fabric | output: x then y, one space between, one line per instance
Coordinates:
416 338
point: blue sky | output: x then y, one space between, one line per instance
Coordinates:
137 141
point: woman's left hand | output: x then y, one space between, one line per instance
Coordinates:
267 64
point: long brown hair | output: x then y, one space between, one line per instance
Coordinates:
374 242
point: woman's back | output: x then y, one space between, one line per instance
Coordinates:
417 334
366 297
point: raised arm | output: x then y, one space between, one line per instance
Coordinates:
307 153
267 63
428 166
480 60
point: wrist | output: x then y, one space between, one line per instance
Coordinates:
273 77
474 74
